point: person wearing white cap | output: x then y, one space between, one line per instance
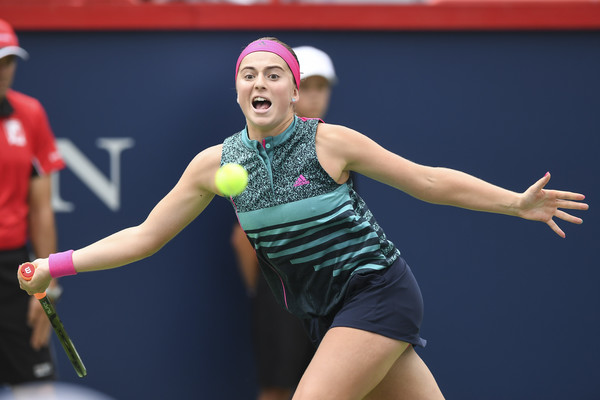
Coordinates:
28 156
317 77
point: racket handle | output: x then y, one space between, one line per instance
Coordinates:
26 270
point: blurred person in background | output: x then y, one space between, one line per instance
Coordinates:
282 347
318 77
28 156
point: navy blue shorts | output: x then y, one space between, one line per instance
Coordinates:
386 302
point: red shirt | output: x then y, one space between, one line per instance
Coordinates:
26 142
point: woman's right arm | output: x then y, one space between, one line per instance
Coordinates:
188 198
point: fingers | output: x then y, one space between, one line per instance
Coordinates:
24 285
559 194
539 185
556 229
544 204
565 217
568 217
563 195
572 205
39 282
537 188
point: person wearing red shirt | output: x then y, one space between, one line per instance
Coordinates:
28 155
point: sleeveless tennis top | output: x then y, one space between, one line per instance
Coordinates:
310 233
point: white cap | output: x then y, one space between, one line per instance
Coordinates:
14 51
315 62
9 43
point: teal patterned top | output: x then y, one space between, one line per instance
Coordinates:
309 232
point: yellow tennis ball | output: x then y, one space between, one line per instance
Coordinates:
231 179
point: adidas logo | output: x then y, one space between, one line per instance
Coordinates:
301 181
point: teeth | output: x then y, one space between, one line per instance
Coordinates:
260 99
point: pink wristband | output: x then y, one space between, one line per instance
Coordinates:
61 264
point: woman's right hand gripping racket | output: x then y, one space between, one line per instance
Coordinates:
26 271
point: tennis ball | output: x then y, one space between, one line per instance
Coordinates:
231 179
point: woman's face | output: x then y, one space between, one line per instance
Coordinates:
265 89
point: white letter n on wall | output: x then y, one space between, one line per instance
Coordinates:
108 190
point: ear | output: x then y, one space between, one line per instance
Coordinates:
237 99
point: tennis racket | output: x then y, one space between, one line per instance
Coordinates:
27 270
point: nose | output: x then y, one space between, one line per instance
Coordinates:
259 82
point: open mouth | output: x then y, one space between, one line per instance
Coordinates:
260 103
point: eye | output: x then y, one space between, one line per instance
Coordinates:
248 76
273 76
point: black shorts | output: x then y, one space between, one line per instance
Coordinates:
387 302
19 362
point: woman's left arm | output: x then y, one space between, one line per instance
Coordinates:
341 149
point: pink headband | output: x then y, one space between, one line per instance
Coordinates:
275 48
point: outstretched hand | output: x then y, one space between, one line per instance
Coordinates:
539 204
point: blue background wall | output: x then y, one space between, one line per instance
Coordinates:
511 309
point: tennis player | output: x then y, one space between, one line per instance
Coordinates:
323 254
282 349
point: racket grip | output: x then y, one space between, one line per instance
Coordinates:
26 270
